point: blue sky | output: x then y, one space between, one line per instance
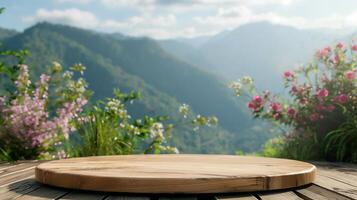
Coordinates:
179 18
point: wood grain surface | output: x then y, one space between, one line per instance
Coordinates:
175 173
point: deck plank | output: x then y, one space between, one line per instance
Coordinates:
4 165
17 167
44 192
344 174
279 196
315 192
14 192
237 197
83 195
337 186
178 198
113 197
16 177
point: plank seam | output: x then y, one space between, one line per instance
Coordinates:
6 184
338 180
60 196
257 196
302 195
15 172
334 191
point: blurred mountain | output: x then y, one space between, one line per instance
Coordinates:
261 50
6 33
141 64
186 52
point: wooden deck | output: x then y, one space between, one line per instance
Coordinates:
334 181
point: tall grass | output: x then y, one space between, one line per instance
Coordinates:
343 141
99 135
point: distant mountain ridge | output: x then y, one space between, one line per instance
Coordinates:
257 48
141 64
6 33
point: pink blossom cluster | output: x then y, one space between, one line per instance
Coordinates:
27 117
256 104
320 91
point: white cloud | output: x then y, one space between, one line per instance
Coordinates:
184 6
144 25
142 21
126 3
237 16
190 3
74 1
72 16
168 25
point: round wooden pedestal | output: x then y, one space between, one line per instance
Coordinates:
176 173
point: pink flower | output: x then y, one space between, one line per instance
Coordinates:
251 106
336 59
319 108
322 93
322 53
354 47
257 99
276 107
339 45
256 103
276 116
295 89
328 49
303 101
291 112
343 98
330 108
314 117
350 75
288 74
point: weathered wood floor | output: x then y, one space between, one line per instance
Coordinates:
334 181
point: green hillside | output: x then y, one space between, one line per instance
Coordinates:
6 33
140 64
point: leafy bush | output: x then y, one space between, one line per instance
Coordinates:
106 129
48 120
343 140
319 115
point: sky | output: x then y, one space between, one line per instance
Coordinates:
162 19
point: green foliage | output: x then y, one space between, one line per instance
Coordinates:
343 141
107 129
300 148
99 136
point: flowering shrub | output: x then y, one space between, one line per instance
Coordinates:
38 125
322 99
29 130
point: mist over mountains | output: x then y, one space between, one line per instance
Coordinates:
261 50
170 72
